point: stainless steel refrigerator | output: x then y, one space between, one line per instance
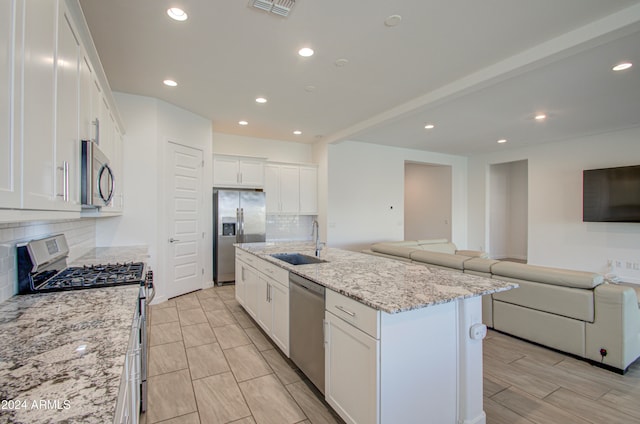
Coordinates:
239 217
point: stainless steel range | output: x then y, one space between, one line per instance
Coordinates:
42 268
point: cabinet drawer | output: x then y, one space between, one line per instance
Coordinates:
276 273
247 258
360 316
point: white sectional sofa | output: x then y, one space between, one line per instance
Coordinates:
571 311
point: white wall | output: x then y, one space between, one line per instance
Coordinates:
272 150
556 234
366 193
427 201
508 220
150 124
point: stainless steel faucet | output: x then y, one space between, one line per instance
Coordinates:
315 228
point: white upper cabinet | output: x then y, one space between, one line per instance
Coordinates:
67 141
291 189
38 101
88 91
51 98
9 152
51 148
308 190
241 172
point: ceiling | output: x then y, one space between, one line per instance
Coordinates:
479 70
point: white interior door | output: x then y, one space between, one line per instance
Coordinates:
184 199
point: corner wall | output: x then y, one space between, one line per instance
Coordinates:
556 234
366 193
150 123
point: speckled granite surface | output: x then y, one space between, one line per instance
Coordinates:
44 378
384 284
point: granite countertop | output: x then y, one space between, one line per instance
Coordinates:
387 285
62 354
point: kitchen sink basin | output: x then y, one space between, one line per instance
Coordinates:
297 258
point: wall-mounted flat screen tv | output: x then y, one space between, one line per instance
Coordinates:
611 194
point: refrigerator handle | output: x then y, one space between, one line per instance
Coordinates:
242 224
238 231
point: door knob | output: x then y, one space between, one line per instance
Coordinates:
172 240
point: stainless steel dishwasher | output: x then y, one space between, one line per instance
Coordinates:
306 328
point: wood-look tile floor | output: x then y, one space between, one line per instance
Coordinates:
209 363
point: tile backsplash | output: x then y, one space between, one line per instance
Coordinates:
81 237
289 227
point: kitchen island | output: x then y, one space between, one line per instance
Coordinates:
403 342
62 354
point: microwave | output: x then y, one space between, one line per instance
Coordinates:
97 185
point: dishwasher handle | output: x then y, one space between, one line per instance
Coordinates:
313 288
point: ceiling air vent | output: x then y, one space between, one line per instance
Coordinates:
277 7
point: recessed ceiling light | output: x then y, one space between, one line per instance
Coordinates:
392 20
429 126
540 117
177 14
305 52
310 88
243 123
170 83
341 62
297 132
501 141
261 100
622 66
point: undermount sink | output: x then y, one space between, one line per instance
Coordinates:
297 258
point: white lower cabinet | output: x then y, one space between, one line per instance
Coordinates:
247 283
263 290
240 286
280 310
392 368
273 311
352 380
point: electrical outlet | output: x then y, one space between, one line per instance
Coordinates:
618 264
629 265
636 266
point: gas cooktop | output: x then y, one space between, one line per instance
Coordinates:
89 276
42 267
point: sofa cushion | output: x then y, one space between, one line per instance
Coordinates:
479 264
393 249
433 241
547 275
559 300
445 247
565 334
437 258
408 243
472 253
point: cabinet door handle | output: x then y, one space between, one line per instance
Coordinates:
65 181
96 122
325 332
346 311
